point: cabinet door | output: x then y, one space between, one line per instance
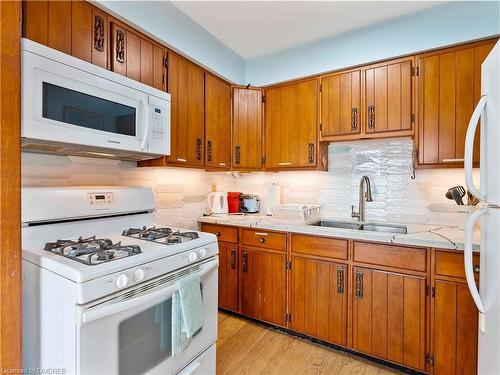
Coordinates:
159 67
81 30
146 62
319 299
247 128
291 121
455 329
186 84
217 123
133 59
35 21
389 316
228 276
449 88
263 285
59 26
341 104
118 49
99 38
388 97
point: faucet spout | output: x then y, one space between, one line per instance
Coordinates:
364 195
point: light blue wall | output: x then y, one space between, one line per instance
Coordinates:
176 29
434 27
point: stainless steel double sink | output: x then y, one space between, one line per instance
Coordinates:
366 226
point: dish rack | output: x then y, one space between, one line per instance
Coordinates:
296 212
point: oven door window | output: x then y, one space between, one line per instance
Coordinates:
76 108
145 339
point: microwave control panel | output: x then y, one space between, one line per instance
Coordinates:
158 119
101 199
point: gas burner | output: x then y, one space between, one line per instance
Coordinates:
163 235
91 250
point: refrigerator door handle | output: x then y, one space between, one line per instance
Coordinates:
469 148
469 267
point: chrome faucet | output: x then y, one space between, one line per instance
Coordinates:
360 215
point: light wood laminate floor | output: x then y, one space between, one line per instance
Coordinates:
247 348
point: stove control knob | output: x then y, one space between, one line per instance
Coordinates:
203 253
121 281
192 257
138 275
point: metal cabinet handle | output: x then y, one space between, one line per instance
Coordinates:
209 150
99 33
198 149
354 118
311 152
359 284
237 154
371 116
233 258
285 163
260 234
476 268
244 261
262 240
217 234
340 280
120 46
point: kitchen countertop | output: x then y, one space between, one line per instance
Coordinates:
438 236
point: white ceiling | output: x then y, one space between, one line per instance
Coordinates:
256 28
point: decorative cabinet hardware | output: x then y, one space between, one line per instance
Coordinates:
340 280
217 234
284 163
181 160
237 154
209 150
311 152
262 240
98 33
233 258
120 46
476 269
453 160
359 284
371 117
414 163
244 261
354 118
198 149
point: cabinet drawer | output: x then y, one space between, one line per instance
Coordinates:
408 258
320 246
452 264
262 238
224 234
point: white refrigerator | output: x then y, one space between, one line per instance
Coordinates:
487 298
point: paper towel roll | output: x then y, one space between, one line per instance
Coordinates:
273 197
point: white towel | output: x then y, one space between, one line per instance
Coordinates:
187 312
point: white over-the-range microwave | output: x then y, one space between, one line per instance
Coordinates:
72 107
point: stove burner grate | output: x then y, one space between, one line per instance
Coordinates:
163 235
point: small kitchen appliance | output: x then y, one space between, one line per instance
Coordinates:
217 203
73 107
234 201
99 278
251 203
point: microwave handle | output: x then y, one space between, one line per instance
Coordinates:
469 148
145 301
146 122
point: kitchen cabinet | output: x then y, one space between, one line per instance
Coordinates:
341 103
35 20
374 101
448 90
262 277
186 84
318 299
247 129
217 123
59 26
291 126
388 317
228 276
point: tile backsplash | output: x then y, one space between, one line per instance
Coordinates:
181 193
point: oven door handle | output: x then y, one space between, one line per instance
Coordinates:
146 123
145 301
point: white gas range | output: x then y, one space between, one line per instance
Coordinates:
98 283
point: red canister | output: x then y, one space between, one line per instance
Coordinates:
233 202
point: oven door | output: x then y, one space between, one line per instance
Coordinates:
66 104
131 333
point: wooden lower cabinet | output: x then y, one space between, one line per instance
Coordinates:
228 276
455 320
262 283
388 317
318 299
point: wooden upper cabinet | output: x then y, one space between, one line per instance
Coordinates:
186 84
291 125
388 316
59 26
247 129
341 103
388 96
159 67
35 21
449 86
217 123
